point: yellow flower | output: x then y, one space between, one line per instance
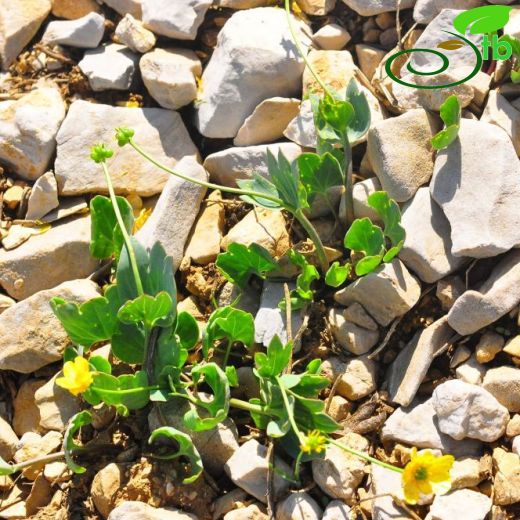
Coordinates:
426 474
314 442
76 376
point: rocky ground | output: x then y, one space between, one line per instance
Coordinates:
423 352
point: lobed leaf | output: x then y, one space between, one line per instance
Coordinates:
337 274
360 123
76 422
151 311
390 214
319 173
277 358
450 113
259 184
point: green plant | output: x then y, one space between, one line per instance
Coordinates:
450 114
515 45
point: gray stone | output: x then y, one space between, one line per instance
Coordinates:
371 7
331 37
448 290
31 337
134 35
48 259
356 314
301 129
471 371
500 293
349 335
461 503
299 506
386 293
8 440
336 510
386 482
142 511
361 191
175 212
86 32
247 300
410 367
124 7
426 10
252 512
43 197
427 248
504 384
254 64
110 67
160 132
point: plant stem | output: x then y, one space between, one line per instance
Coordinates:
124 232
45 459
349 186
128 391
313 235
290 414
366 457
248 407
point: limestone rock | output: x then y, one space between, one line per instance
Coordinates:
350 335
169 75
252 512
38 338
504 384
480 226
299 506
369 58
105 486
336 510
254 64
356 314
132 33
466 472
110 67
462 503
489 345
124 7
26 414
448 291
426 10
8 440
301 129
85 32
507 477
160 132
331 37
513 347
141 511
32 446
316 7
28 128
471 371
371 7
73 9
362 190
43 197
385 482
386 293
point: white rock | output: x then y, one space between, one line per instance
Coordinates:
466 472
500 293
254 64
356 314
229 165
48 259
301 129
462 503
362 190
268 121
72 9
513 25
316 7
488 346
386 293
252 512
386 482
175 211
43 197
427 248
465 410
506 482
400 152
248 468
471 371
336 510
242 4
86 32
110 67
371 7
169 75
504 384
8 440
141 511
516 445
331 37
426 10
19 22
349 335
160 132
369 58
448 290
299 506
480 226
38 337
132 33
180 19
5 303
28 128
124 7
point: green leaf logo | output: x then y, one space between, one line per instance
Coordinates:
451 45
482 20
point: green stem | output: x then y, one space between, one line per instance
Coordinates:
248 407
45 459
366 457
124 232
348 195
290 414
128 391
313 235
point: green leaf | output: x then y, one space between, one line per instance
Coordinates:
184 447
6 468
337 114
515 76
277 358
149 310
445 137
128 343
76 422
259 184
107 239
319 173
100 364
187 330
450 112
365 237
128 390
337 274
390 214
482 20
368 264
514 42
303 294
240 262
232 376
170 356
360 124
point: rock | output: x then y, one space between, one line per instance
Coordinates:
513 347
248 468
73 9
267 122
301 129
299 506
516 445
26 414
349 335
248 383
28 128
169 75
40 496
386 482
339 473
228 501
316 7
465 473
254 64
400 152
175 212
336 510
43 197
134 35
13 196
513 426
8 440
339 408
426 10
56 406
489 345
427 248
19 22
507 477
503 383
203 245
358 376
386 293
410 367
462 503
501 113
160 132
361 191
5 303
448 291
105 486
124 7
110 67
465 410
229 165
57 472
263 227
371 7
247 300
369 58
499 294
270 319
86 32
32 446
331 37
38 338
142 511
60 254
471 371
252 512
